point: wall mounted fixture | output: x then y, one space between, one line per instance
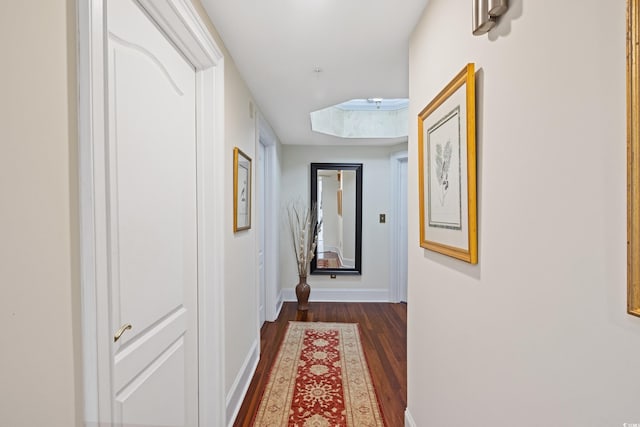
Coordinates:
486 13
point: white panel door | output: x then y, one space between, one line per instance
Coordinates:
152 225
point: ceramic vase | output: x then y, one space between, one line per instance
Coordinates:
302 293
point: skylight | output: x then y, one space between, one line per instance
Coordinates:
364 118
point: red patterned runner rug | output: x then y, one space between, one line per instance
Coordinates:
320 378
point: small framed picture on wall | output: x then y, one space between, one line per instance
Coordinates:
241 190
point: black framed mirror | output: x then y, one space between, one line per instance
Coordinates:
336 189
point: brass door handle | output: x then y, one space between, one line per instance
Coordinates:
121 331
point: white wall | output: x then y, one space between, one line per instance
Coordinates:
536 334
40 367
295 185
240 248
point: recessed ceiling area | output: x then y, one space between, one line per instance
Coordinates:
363 118
302 56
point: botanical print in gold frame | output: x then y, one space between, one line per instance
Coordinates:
633 158
447 170
241 190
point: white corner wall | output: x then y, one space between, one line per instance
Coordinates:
536 334
40 361
373 284
241 316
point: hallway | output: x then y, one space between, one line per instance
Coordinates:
383 328
540 325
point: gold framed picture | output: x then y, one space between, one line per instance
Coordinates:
241 190
633 158
447 170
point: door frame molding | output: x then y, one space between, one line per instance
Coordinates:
394 235
183 25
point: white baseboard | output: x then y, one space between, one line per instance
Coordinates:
279 305
241 384
408 419
340 295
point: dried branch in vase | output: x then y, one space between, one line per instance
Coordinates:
304 227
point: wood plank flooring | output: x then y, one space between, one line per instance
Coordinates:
383 327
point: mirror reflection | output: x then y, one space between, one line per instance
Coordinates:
336 190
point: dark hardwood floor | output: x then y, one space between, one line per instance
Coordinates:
383 328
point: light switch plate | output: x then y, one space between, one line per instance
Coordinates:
383 218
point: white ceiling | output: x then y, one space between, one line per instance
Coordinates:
361 47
